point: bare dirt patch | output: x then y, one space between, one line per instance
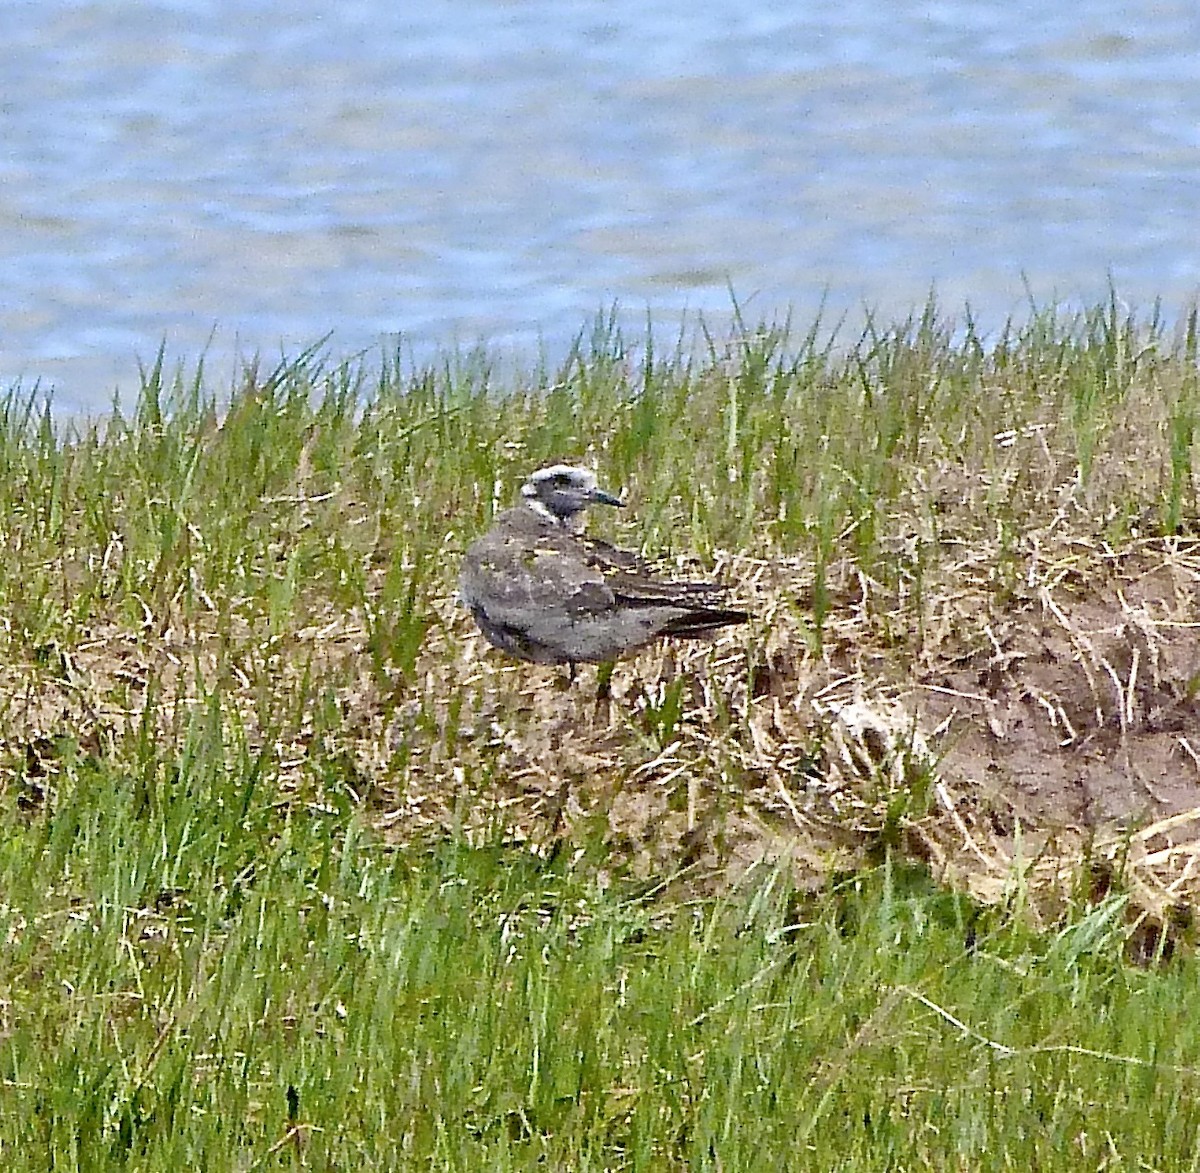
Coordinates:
1077 724
1083 708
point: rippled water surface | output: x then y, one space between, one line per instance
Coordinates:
465 169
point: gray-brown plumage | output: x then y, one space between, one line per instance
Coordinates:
543 591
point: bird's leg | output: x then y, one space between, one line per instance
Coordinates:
604 680
604 688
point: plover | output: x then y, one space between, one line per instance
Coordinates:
541 590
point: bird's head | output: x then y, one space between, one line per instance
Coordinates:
562 492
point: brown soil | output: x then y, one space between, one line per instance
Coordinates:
1078 723
1083 710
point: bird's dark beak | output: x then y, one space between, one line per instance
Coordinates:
600 497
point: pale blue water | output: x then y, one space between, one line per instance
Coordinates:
465 169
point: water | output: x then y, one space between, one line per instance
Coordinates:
251 176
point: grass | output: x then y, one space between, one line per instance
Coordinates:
292 876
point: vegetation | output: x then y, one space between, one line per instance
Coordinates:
294 874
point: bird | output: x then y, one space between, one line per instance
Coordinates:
543 591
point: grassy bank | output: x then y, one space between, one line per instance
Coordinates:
294 873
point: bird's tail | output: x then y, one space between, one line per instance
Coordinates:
703 621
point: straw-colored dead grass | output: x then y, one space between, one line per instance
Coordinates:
1036 743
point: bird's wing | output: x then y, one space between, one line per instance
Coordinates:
510 574
632 580
554 597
